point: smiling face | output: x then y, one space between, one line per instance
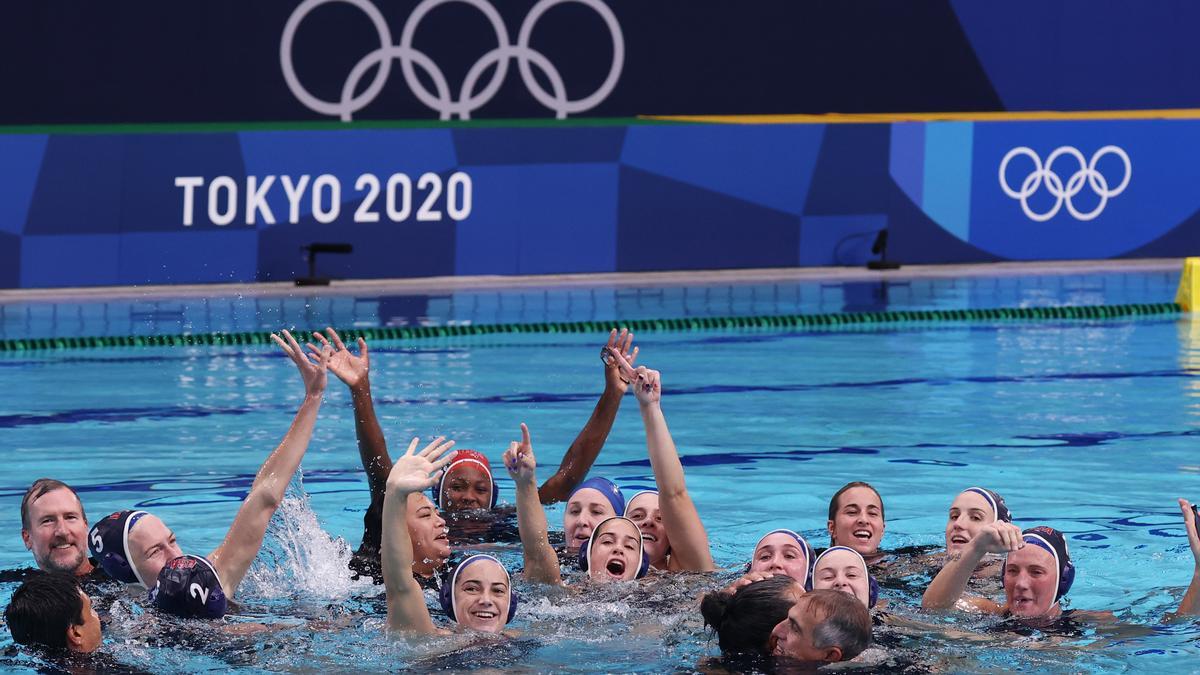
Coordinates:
57 533
1030 582
615 552
843 571
586 508
644 512
481 596
858 521
467 486
427 530
151 545
968 514
780 553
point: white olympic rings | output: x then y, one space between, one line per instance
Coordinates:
1054 184
441 100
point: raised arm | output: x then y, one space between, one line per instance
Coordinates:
1191 599
372 447
541 564
583 451
948 586
245 537
412 473
690 550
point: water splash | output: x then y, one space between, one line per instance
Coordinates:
299 559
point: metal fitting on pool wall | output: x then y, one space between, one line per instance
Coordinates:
1189 284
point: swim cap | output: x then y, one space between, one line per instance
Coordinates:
1000 512
1053 541
583 548
108 542
872 585
189 586
607 488
629 502
806 582
446 592
466 457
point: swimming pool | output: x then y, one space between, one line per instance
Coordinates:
1086 426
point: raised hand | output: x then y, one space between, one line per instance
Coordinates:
999 537
312 373
349 368
519 459
618 344
745 580
417 471
1189 524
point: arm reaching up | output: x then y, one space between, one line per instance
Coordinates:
541 564
690 550
948 586
372 446
582 454
411 474
1191 599
245 537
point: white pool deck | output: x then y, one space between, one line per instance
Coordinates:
436 285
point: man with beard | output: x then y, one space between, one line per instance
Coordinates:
54 528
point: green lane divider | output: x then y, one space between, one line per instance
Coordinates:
833 321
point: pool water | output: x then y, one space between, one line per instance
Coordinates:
1086 426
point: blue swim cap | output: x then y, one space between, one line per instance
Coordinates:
446 592
1000 511
806 582
872 585
108 542
189 586
643 568
1053 542
605 487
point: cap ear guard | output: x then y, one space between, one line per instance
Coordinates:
446 592
873 594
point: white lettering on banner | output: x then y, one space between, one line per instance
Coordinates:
189 185
325 198
214 188
256 199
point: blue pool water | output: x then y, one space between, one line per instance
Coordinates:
1089 427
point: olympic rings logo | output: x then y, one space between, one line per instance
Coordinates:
1063 194
441 100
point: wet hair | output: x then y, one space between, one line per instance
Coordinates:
845 622
40 487
833 503
743 620
43 608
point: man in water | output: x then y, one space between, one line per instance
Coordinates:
54 528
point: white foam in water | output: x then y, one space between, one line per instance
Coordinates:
298 558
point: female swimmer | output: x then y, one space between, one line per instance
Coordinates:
783 552
841 568
744 614
856 519
613 552
673 533
135 546
477 595
1038 572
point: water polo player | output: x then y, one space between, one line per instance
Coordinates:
841 568
783 552
478 593
675 537
744 614
613 551
856 519
135 546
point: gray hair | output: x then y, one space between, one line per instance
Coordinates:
846 624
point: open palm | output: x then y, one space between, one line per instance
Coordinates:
417 471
